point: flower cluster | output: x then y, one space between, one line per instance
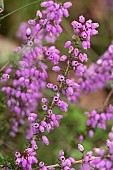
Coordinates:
25 90
66 86
66 163
26 159
96 77
53 15
75 62
85 30
47 23
48 123
99 73
102 160
98 119
52 54
29 79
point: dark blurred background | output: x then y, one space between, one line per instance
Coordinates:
65 137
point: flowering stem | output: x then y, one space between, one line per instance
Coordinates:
61 84
32 38
76 162
91 159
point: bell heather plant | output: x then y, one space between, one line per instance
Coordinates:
24 83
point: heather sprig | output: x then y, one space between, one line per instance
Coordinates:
74 62
31 72
24 86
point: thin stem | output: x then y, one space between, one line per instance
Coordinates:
32 38
61 84
50 166
2 4
76 162
2 68
107 100
5 16
53 166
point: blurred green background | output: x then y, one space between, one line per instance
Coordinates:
66 136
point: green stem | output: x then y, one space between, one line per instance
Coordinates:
2 4
107 100
32 38
5 16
